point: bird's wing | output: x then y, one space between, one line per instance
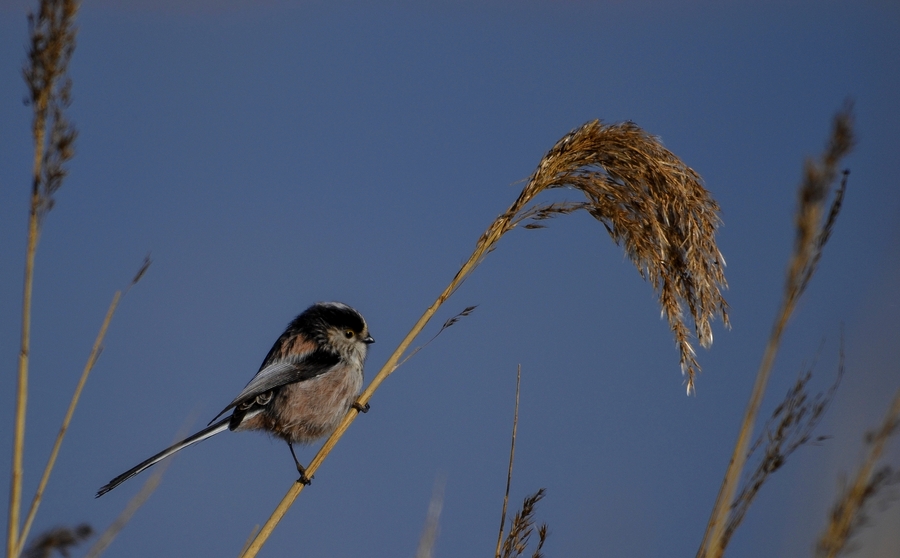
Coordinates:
283 372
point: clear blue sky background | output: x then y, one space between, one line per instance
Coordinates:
272 154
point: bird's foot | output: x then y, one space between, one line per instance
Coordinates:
361 408
303 478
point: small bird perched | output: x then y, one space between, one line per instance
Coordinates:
306 384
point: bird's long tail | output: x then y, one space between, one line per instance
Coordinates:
207 432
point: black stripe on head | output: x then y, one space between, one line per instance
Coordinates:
316 320
313 324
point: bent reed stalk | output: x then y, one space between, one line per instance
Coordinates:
648 200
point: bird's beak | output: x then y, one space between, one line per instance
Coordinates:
368 340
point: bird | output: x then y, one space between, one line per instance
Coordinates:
308 381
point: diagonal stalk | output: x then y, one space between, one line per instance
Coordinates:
719 516
813 229
92 359
648 200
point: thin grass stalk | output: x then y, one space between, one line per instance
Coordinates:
15 490
649 201
718 521
811 235
15 494
512 454
51 461
38 130
52 38
88 367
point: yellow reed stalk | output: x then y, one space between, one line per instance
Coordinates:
648 200
52 38
15 490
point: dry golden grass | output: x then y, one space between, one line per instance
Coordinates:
52 36
648 200
67 419
521 529
653 205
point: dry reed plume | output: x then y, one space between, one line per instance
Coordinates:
653 205
522 527
813 229
650 202
52 36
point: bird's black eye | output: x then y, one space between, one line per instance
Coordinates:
348 333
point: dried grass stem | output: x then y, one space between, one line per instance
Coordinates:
512 457
650 202
52 41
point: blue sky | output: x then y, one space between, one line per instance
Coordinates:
273 154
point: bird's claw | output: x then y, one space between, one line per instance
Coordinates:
361 408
